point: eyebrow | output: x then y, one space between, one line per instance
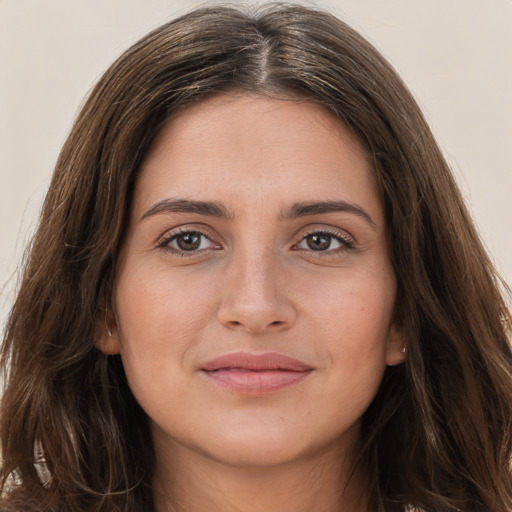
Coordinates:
295 211
209 208
309 208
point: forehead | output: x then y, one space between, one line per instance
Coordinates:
261 118
253 145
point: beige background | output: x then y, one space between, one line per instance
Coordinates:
456 56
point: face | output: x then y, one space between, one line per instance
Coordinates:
254 295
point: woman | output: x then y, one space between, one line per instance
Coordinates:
255 286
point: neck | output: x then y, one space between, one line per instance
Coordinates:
196 483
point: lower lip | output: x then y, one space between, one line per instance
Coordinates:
255 382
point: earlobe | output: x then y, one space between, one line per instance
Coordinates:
396 348
109 345
108 338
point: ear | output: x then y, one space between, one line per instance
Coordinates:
107 337
395 347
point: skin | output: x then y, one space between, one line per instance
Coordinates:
255 284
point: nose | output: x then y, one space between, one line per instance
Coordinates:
255 297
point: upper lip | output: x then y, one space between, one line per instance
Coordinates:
256 362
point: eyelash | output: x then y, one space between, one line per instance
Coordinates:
164 242
346 242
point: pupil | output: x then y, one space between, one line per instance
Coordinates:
189 241
318 242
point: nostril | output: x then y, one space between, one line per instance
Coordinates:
256 317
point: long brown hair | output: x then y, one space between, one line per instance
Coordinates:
438 436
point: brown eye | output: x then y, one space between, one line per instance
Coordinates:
319 241
322 241
188 241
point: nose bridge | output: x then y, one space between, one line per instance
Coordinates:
256 262
253 296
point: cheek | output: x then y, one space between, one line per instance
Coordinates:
357 302
160 319
162 303
355 339
354 316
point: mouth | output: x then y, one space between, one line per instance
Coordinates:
255 374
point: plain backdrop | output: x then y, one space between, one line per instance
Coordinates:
455 55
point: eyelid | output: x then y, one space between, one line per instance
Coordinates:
325 228
348 241
345 237
164 239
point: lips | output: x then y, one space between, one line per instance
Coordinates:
255 373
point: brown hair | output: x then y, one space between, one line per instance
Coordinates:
438 436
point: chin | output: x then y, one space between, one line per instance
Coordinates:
266 448
259 453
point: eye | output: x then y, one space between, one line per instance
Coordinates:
186 242
321 241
